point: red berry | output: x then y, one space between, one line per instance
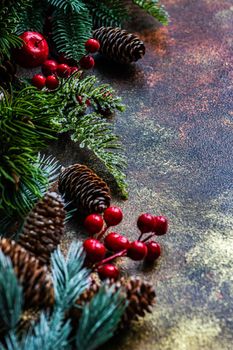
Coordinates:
113 216
49 67
88 102
93 223
38 81
145 223
137 250
52 82
79 99
63 70
153 251
87 62
95 250
73 70
160 225
108 271
92 45
115 242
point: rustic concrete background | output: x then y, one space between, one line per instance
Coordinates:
177 131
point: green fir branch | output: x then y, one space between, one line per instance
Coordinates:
32 18
70 32
100 318
67 5
70 278
11 295
154 8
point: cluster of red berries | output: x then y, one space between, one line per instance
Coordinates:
53 70
116 245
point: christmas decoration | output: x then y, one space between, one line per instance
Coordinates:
118 45
44 227
137 250
87 62
52 82
7 72
49 67
145 223
93 223
95 250
109 271
34 51
34 278
153 251
115 242
38 81
113 216
63 70
82 186
92 45
160 225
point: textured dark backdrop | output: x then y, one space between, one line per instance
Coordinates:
177 131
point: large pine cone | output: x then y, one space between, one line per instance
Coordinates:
118 45
7 72
34 278
140 295
84 188
44 227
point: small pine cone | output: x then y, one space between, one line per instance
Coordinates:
140 295
34 278
84 188
118 45
7 72
44 227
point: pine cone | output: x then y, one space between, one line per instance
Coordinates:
34 278
118 45
84 188
7 72
44 227
140 295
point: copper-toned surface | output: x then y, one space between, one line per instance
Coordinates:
177 131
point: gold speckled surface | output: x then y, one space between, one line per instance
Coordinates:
177 131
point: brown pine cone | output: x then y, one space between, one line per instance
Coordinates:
44 227
84 188
118 45
7 72
140 295
34 278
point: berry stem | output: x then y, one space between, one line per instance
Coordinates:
141 234
148 237
102 233
110 258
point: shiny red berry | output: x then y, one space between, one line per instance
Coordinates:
137 250
108 271
93 223
160 225
49 67
52 82
92 45
38 81
73 70
145 223
153 251
63 70
113 216
87 62
95 250
115 242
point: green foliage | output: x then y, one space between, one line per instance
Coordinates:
70 32
70 278
67 5
26 123
90 130
107 12
10 295
100 318
154 8
32 18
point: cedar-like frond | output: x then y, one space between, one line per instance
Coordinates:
32 18
154 8
67 5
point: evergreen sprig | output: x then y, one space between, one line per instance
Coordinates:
91 130
67 5
11 295
70 277
100 318
154 8
34 22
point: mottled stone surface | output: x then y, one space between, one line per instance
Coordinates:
177 131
